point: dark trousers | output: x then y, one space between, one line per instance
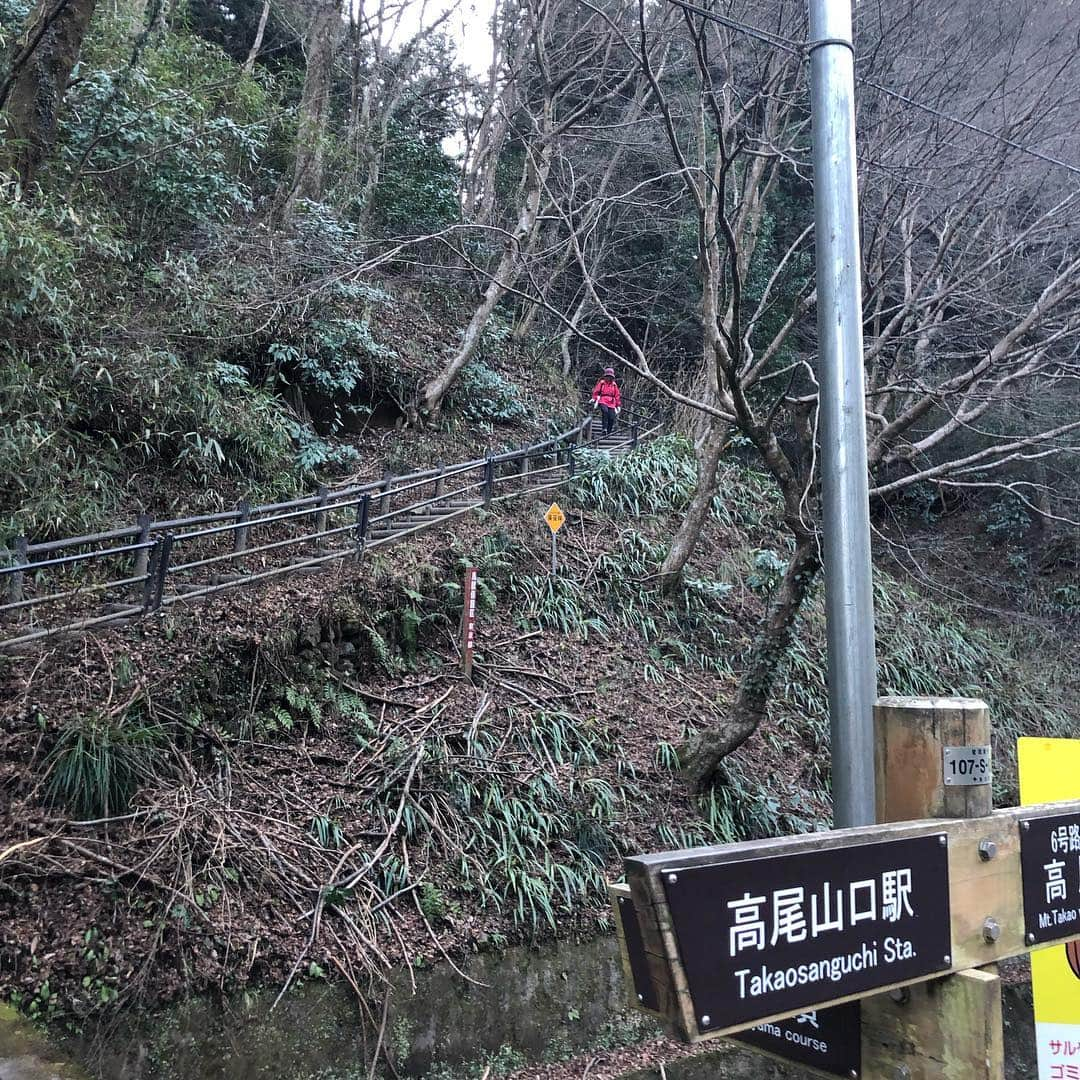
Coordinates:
609 418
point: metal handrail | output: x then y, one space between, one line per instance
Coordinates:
152 553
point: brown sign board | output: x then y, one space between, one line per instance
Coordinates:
828 1041
780 934
732 943
1050 866
632 948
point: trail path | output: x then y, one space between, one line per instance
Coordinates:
129 573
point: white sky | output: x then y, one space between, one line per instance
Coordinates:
472 35
467 27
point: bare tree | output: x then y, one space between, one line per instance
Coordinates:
387 67
576 66
972 297
485 138
972 254
256 43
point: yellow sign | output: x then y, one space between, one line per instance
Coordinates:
1050 772
554 517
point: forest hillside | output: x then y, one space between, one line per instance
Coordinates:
254 249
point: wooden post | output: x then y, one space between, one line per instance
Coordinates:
240 535
161 572
150 581
912 736
320 515
22 558
384 502
468 622
440 480
949 1027
363 514
142 556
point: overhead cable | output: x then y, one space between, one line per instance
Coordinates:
794 48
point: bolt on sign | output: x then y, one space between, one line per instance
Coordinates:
554 518
1050 861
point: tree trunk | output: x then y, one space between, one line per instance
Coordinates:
435 391
315 104
432 394
256 45
33 93
689 530
709 747
568 333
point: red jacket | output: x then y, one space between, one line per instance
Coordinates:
606 392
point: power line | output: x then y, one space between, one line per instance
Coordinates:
794 48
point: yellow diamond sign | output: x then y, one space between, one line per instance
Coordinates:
554 517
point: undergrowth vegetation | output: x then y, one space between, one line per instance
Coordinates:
166 339
348 771
98 762
924 649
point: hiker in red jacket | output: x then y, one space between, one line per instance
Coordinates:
606 395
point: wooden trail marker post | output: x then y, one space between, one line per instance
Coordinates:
468 621
903 918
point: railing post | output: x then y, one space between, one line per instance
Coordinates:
321 515
162 570
240 534
633 437
142 556
15 589
489 478
570 461
150 580
523 468
440 480
363 515
586 431
384 502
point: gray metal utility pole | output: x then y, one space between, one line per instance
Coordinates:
849 598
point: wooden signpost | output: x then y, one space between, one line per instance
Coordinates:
772 941
468 622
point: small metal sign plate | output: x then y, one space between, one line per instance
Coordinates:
768 936
1050 874
966 766
555 517
829 1040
